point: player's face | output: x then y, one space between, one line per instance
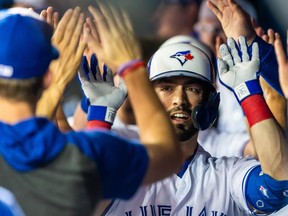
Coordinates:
179 96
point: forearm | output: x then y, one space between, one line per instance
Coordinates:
278 106
49 101
271 147
61 120
155 126
267 136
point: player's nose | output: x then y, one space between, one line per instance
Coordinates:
180 97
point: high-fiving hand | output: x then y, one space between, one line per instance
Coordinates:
237 71
104 97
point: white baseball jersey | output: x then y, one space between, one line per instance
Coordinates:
222 143
125 130
209 186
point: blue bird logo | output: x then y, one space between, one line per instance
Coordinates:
183 56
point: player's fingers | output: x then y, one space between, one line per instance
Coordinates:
265 38
271 36
255 52
225 55
244 50
214 8
122 86
73 25
84 70
55 19
101 25
222 67
43 14
108 75
119 19
111 19
59 31
233 50
94 65
279 50
50 12
92 27
75 35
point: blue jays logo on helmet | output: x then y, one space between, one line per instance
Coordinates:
183 56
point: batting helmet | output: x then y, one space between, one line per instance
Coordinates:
183 59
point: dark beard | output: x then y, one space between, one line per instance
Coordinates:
185 132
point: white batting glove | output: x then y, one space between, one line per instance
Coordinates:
105 99
237 71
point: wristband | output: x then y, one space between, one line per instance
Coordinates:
129 66
246 89
102 114
256 109
98 124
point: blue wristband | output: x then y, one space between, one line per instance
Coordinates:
246 89
101 113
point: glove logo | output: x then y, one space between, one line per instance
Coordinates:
183 56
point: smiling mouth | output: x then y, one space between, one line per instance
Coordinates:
180 116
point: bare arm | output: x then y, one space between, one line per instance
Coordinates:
117 46
240 74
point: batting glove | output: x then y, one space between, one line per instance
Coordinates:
237 71
104 98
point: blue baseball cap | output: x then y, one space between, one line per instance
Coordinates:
25 44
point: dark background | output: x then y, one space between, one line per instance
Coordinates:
271 13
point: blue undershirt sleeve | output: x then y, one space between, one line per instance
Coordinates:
265 194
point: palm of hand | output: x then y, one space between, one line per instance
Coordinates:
104 93
236 22
240 72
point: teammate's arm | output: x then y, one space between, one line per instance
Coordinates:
235 22
239 73
120 51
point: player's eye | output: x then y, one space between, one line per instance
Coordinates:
194 90
166 88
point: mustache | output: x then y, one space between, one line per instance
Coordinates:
180 108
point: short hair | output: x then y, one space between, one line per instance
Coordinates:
25 90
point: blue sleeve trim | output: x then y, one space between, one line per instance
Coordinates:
265 194
122 164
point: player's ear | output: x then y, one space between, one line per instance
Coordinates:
47 79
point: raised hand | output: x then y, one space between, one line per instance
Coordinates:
104 98
234 20
237 71
50 16
66 39
116 43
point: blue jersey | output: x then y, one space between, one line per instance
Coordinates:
51 173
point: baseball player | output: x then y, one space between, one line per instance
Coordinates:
182 77
51 173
